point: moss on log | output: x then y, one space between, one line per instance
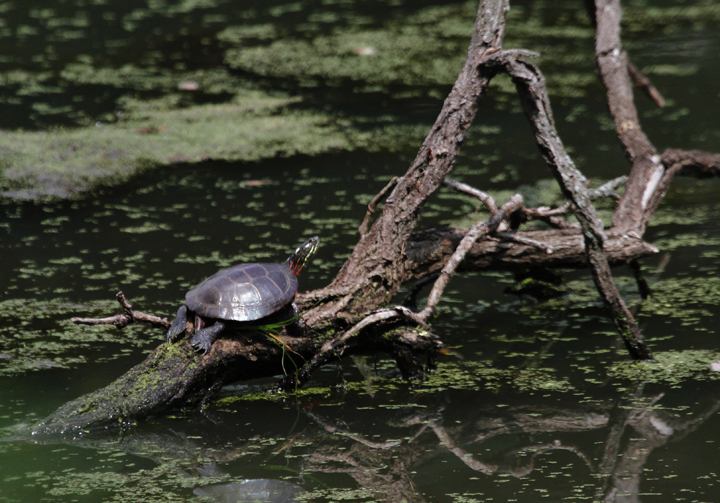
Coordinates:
173 376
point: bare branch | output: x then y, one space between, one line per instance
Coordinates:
478 230
644 83
381 248
484 197
608 189
605 190
647 168
530 84
692 162
373 205
511 236
126 318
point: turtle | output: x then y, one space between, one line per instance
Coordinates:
243 296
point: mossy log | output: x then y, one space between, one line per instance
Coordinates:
174 376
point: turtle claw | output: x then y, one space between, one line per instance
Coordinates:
203 338
201 345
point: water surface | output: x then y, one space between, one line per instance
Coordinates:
537 401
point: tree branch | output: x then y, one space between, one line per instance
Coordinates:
463 188
530 84
644 83
371 272
647 168
126 318
478 230
373 205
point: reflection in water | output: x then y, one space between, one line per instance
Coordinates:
70 63
622 470
258 490
331 454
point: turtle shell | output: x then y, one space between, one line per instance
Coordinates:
244 292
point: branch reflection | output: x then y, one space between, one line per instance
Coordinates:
319 448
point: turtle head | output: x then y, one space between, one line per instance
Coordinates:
299 258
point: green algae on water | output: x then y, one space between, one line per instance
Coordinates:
61 163
669 367
472 375
37 335
688 299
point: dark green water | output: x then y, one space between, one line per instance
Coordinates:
538 403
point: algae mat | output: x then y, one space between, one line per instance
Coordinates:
61 163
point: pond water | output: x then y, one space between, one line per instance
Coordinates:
537 401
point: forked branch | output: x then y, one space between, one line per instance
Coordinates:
530 85
476 232
126 318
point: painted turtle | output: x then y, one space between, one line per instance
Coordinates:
250 294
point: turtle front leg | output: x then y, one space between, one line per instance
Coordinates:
297 327
178 325
203 339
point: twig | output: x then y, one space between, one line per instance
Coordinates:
608 188
547 215
644 83
551 215
484 197
373 205
126 318
476 232
605 190
511 236
335 347
489 202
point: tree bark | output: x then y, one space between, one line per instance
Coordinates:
372 271
647 168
